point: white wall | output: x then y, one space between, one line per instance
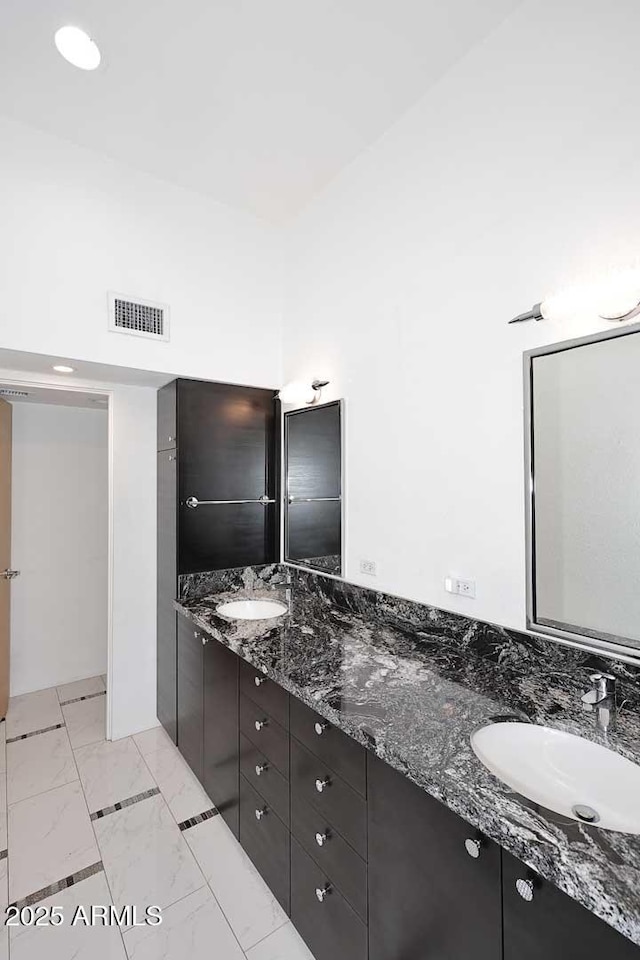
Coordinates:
59 543
515 175
75 225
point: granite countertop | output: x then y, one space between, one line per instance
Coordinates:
413 695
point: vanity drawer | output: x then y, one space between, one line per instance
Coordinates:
266 841
340 752
333 855
314 781
265 733
328 925
265 693
269 782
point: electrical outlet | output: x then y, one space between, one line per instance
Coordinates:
368 567
462 588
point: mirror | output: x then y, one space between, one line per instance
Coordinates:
583 463
313 521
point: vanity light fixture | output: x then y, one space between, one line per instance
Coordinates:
77 47
300 391
615 297
62 368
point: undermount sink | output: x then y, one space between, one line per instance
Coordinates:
567 774
252 609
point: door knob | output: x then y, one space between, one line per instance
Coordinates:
320 728
322 785
323 892
322 838
259 681
259 724
261 813
261 768
9 574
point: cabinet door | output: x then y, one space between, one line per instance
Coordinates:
228 451
552 925
190 695
221 750
167 586
429 899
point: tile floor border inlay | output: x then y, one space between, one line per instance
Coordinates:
59 885
121 804
34 733
199 818
87 696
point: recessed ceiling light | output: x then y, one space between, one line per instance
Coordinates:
61 368
77 47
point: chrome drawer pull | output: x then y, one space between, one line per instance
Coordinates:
259 724
321 727
473 847
262 813
322 838
525 889
322 785
259 681
323 892
261 768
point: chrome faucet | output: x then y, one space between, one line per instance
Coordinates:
601 699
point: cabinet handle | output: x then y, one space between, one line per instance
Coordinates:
473 847
322 838
259 681
322 785
261 768
262 813
171 458
259 724
171 439
323 892
321 727
525 889
205 640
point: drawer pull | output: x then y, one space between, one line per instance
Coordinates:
320 727
262 813
322 838
321 785
259 724
473 847
323 892
205 641
525 889
261 768
259 681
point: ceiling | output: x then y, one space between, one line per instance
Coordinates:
257 104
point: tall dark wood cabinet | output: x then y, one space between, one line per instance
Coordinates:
191 694
434 883
216 443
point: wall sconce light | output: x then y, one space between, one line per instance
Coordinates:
615 297
300 391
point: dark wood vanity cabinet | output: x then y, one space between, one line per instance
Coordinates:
191 695
207 724
548 924
431 893
220 775
369 866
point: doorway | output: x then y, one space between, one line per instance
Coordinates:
56 623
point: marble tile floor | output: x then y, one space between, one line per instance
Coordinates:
86 822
